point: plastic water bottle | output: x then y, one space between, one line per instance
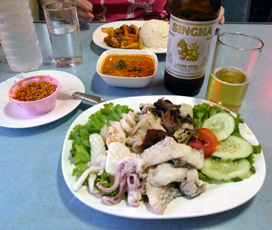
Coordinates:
18 36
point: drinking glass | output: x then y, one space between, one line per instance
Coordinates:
235 58
63 27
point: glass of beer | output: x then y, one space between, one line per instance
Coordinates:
235 58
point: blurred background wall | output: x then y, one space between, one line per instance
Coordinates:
248 10
260 11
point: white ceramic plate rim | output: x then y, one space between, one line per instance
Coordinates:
216 199
64 104
98 35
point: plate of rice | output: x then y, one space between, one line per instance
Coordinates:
154 34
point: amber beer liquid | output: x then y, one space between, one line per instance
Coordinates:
192 27
227 87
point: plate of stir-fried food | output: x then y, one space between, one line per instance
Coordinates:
139 157
121 35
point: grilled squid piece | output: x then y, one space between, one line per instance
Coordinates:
97 145
96 164
128 122
113 133
115 153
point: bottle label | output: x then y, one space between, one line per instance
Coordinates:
188 48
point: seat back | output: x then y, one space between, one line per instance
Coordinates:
236 10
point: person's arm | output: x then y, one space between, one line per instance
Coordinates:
84 10
221 18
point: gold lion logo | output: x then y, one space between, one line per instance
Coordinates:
188 53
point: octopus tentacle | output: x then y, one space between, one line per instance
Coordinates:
133 181
123 168
134 193
113 187
91 180
126 179
77 186
116 199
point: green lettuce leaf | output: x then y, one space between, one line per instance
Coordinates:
79 169
257 149
201 113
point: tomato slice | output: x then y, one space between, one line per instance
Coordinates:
206 140
195 143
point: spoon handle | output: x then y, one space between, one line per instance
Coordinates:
88 97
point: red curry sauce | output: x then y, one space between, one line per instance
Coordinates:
128 65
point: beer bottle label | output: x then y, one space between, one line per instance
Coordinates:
188 48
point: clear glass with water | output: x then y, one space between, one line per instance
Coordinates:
18 36
63 26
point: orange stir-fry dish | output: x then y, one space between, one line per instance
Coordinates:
124 37
34 91
128 65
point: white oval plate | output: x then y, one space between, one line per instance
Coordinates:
98 35
13 116
217 198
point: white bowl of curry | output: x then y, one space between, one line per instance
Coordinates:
127 68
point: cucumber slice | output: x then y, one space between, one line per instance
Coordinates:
222 124
233 148
225 170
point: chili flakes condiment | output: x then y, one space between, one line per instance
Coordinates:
34 91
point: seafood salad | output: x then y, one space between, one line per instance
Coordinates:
153 155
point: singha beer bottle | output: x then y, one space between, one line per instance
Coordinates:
192 27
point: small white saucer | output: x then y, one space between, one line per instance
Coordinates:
12 116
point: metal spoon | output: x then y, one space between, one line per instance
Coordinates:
88 97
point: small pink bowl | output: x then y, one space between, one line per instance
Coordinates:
37 107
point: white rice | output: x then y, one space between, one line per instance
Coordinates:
154 34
